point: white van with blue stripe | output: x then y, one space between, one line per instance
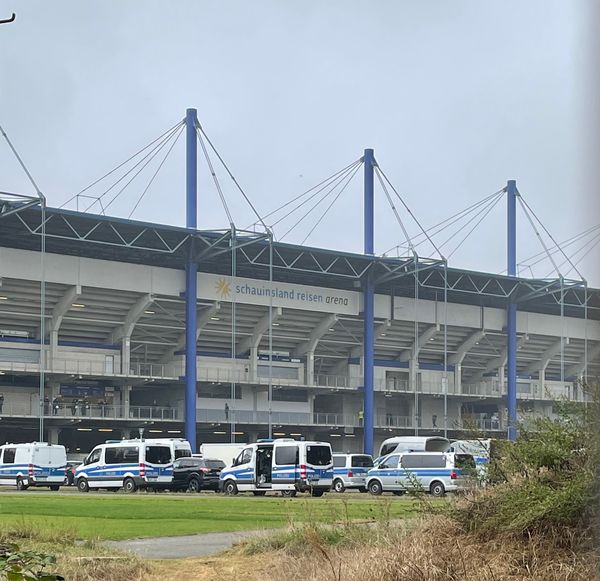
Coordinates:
285 465
350 471
33 464
434 472
131 464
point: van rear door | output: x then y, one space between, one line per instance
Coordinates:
158 463
319 464
286 465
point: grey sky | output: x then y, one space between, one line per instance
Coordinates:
455 97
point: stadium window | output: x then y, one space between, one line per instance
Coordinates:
277 372
297 395
219 391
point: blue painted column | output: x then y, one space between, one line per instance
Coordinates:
511 313
368 305
190 280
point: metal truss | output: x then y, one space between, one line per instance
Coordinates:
11 203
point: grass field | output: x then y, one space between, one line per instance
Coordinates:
122 517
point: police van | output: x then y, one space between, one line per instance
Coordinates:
350 471
283 465
434 472
131 464
33 464
479 449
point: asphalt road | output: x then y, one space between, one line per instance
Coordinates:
182 547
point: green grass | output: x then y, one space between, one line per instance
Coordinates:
147 515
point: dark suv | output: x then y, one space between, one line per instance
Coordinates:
196 474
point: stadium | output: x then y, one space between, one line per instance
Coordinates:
106 332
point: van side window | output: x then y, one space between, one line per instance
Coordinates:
131 455
113 456
244 457
9 455
423 461
390 462
286 455
339 461
181 453
94 456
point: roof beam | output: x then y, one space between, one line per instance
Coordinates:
579 367
202 319
465 347
379 330
498 362
61 308
133 316
541 363
414 350
262 326
315 336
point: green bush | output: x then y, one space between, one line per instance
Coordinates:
16 565
546 482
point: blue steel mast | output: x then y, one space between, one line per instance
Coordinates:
511 313
368 304
191 290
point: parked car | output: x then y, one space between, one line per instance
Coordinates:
70 473
350 471
196 474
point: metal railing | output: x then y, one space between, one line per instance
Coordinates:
91 411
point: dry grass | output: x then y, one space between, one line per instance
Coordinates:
436 550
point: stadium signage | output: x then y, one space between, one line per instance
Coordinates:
260 292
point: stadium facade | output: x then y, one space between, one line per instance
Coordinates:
279 337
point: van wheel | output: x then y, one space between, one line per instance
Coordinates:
21 485
259 492
338 486
82 485
230 488
437 489
375 487
193 485
362 489
54 488
129 485
317 492
289 493
398 492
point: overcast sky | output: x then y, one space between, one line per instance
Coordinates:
455 97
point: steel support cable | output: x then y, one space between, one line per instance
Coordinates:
395 211
322 183
541 256
321 189
215 178
150 155
539 236
444 224
331 204
156 172
594 241
526 205
314 207
481 211
484 213
233 178
148 159
410 212
121 164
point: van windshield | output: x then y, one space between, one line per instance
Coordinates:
388 449
318 455
465 462
362 462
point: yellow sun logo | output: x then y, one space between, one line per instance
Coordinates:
223 288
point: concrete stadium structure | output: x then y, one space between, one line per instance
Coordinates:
281 355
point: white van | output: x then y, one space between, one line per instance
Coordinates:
435 472
350 471
131 464
413 444
226 452
285 465
33 464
